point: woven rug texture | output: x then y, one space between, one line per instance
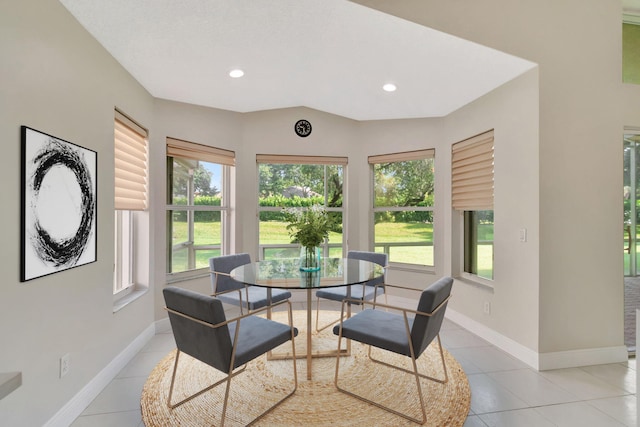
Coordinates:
316 402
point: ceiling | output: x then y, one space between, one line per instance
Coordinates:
329 55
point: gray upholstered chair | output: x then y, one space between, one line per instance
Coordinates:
402 331
364 292
202 331
250 297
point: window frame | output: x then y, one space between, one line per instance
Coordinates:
470 247
303 160
124 250
472 188
423 154
226 160
127 284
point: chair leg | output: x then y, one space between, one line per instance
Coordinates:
386 408
226 399
196 394
438 380
295 380
318 329
317 313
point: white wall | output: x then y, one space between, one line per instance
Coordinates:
512 111
577 45
515 307
57 79
208 126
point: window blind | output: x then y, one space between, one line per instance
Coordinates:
130 151
304 160
472 173
402 157
206 153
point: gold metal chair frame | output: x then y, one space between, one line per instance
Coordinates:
231 372
239 290
415 372
375 296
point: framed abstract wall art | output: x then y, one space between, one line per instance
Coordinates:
59 204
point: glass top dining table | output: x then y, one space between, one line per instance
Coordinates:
285 273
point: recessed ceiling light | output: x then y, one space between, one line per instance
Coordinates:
236 73
389 87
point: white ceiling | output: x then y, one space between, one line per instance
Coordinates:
330 55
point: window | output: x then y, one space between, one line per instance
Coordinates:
478 243
130 154
472 197
197 204
124 259
298 181
403 206
630 52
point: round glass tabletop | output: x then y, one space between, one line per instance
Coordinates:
285 273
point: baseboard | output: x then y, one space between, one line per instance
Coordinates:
162 326
78 403
583 357
515 349
541 361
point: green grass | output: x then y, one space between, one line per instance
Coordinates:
393 232
205 233
485 261
275 232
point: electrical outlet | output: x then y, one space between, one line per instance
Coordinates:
65 364
487 307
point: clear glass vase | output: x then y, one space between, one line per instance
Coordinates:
309 258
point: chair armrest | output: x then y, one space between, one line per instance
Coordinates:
259 310
234 319
397 308
402 287
239 291
219 272
226 292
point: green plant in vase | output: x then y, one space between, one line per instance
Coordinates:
309 227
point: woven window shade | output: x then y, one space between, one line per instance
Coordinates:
472 173
402 157
300 160
205 153
130 165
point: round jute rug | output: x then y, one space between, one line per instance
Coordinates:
316 402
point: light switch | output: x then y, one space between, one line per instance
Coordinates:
523 234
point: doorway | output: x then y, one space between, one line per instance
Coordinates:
631 182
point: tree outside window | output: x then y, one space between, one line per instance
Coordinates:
403 206
302 182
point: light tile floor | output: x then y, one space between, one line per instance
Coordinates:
504 391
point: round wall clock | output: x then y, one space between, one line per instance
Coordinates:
302 128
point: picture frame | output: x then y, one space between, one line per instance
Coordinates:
59 205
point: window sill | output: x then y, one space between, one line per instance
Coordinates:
9 381
412 268
120 303
187 275
475 281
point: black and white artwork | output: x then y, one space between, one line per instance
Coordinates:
58 204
